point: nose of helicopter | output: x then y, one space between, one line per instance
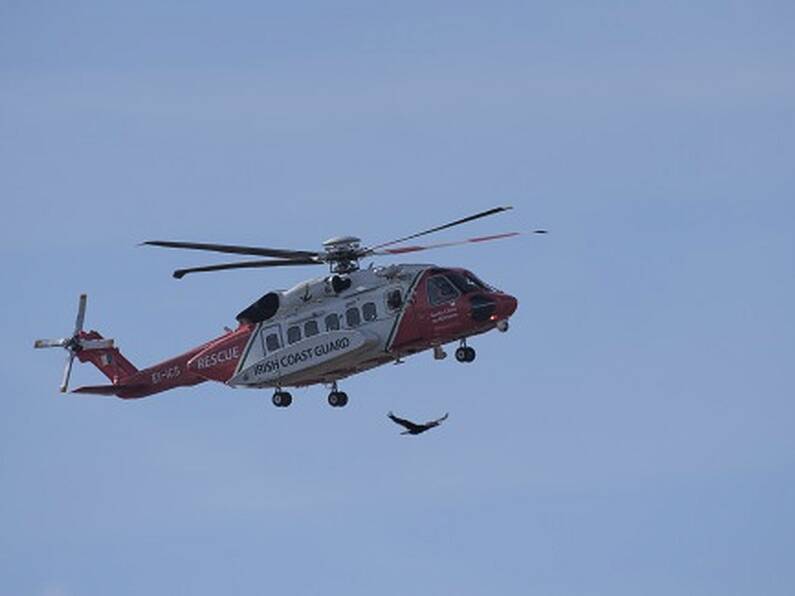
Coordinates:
506 306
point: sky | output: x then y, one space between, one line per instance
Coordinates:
631 433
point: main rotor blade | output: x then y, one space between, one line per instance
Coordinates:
67 371
236 250
81 314
404 249
444 227
180 273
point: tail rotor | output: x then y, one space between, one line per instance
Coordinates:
75 343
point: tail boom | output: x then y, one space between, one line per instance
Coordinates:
214 360
129 383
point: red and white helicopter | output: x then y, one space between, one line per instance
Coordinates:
320 331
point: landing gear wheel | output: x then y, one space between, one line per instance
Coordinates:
465 354
282 399
470 354
337 399
461 354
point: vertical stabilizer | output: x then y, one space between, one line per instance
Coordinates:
109 360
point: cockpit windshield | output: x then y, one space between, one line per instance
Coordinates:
466 282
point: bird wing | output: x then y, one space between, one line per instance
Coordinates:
438 420
403 422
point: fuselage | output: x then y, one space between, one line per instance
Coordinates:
319 335
332 327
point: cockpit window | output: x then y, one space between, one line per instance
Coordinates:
466 282
440 290
477 281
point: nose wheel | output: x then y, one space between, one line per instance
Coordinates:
465 353
282 399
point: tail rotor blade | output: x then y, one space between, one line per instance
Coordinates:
81 314
67 371
75 343
51 343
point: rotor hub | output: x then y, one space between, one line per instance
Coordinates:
342 253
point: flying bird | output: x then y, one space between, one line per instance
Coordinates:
412 428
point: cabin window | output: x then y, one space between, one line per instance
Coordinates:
332 322
369 311
440 290
311 328
352 317
394 299
272 342
293 334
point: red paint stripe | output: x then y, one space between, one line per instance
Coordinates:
495 237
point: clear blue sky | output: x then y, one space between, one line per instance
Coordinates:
632 433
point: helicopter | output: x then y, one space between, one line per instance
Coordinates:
322 330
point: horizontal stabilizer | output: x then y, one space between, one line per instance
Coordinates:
96 344
106 389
